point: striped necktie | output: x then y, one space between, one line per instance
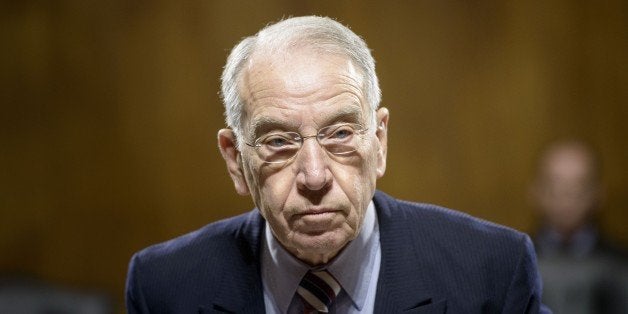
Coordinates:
318 289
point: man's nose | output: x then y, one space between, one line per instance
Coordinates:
313 169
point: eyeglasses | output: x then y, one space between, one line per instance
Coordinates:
337 139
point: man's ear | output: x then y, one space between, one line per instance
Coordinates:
231 154
382 135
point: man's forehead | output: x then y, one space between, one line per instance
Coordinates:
292 60
348 113
325 85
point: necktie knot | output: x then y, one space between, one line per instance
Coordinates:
318 289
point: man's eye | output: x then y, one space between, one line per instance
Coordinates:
277 141
342 133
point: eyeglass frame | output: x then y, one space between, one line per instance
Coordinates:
361 130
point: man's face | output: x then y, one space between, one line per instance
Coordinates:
568 191
314 203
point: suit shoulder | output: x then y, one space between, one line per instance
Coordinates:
490 263
189 270
203 243
444 225
457 219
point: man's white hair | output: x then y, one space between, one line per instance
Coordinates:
320 34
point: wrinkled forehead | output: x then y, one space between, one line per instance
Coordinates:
301 59
300 75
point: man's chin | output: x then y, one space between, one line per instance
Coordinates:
323 244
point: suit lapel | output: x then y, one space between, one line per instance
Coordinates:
241 287
401 285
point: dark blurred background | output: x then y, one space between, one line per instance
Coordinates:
110 111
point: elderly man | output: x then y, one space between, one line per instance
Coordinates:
308 141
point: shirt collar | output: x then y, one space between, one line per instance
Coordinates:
353 267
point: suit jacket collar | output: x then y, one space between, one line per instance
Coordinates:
241 288
401 285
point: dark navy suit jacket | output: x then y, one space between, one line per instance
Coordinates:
434 260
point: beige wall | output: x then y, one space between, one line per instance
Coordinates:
110 112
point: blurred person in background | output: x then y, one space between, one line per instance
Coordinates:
582 271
